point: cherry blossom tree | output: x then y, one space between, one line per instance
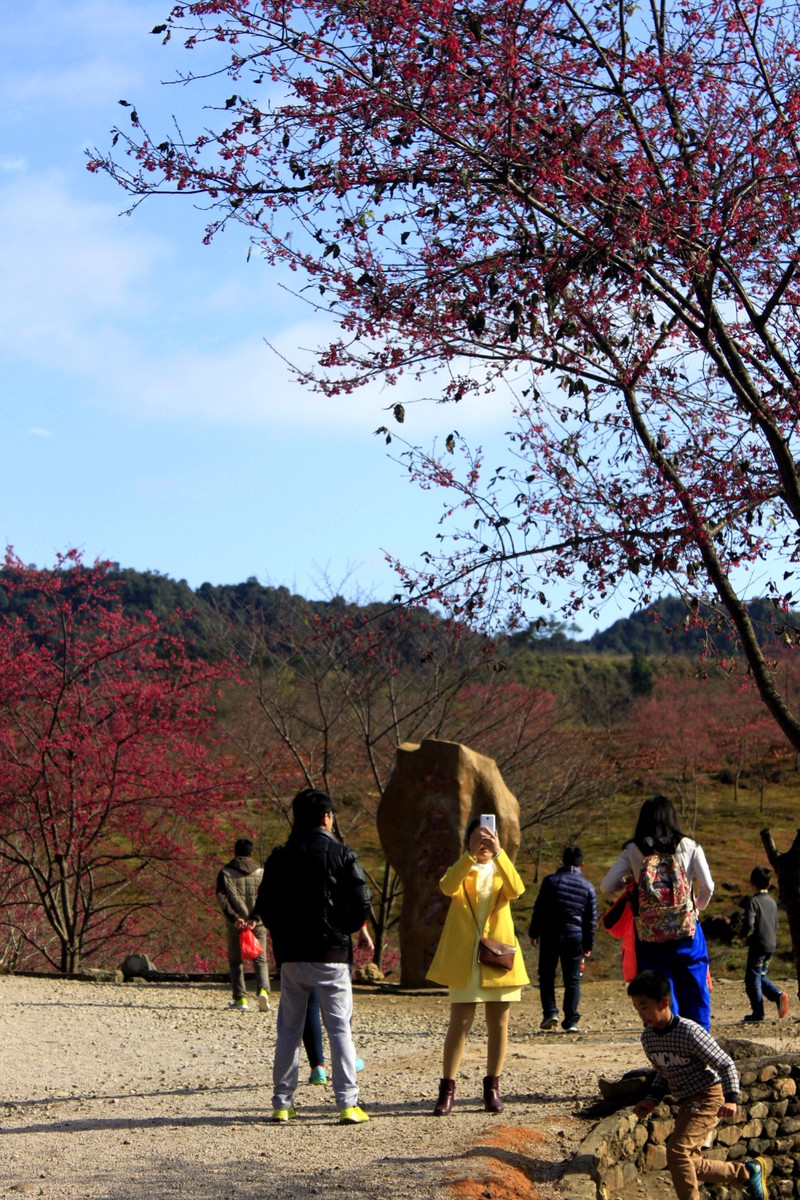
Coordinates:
594 204
674 729
748 738
560 774
329 698
112 778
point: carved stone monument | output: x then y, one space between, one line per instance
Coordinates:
434 792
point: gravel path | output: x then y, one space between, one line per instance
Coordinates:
149 1091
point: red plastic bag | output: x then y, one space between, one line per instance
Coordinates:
249 945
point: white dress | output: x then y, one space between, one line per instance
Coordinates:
473 993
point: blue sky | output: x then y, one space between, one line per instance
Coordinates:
143 416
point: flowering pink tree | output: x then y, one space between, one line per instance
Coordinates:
748 738
595 203
109 770
675 728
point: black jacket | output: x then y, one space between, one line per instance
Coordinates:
312 897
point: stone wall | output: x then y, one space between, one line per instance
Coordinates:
620 1148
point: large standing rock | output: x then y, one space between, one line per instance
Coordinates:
434 792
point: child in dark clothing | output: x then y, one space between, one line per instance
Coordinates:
761 931
699 1074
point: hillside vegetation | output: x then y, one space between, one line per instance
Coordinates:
322 692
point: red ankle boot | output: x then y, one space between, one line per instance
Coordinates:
447 1092
491 1094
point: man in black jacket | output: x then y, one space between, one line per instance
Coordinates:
312 898
563 926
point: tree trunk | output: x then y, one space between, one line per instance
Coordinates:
538 860
787 870
388 894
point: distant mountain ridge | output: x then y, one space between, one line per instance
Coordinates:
665 627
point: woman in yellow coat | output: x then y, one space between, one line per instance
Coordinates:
481 886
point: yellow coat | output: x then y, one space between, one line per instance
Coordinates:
452 962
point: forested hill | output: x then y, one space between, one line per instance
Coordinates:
663 628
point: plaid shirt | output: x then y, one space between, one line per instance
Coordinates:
688 1061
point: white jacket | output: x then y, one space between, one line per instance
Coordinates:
688 853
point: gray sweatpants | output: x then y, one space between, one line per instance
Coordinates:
332 981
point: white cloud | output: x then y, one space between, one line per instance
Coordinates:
72 274
135 315
62 56
36 431
78 86
247 383
168 330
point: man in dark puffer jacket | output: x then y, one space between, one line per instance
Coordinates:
312 898
563 925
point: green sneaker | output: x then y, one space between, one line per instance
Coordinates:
352 1116
263 999
318 1076
240 1003
280 1115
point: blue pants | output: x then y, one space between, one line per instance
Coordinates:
569 952
758 984
685 965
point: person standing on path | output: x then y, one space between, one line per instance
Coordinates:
312 898
481 886
237 887
563 925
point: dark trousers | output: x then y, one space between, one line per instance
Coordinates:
568 951
757 983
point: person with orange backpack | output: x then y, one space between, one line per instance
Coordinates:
672 885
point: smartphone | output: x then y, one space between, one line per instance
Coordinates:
490 821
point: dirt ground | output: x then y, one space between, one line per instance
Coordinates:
147 1091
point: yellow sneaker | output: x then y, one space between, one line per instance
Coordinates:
263 999
352 1116
283 1114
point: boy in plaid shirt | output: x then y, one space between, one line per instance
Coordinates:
702 1077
